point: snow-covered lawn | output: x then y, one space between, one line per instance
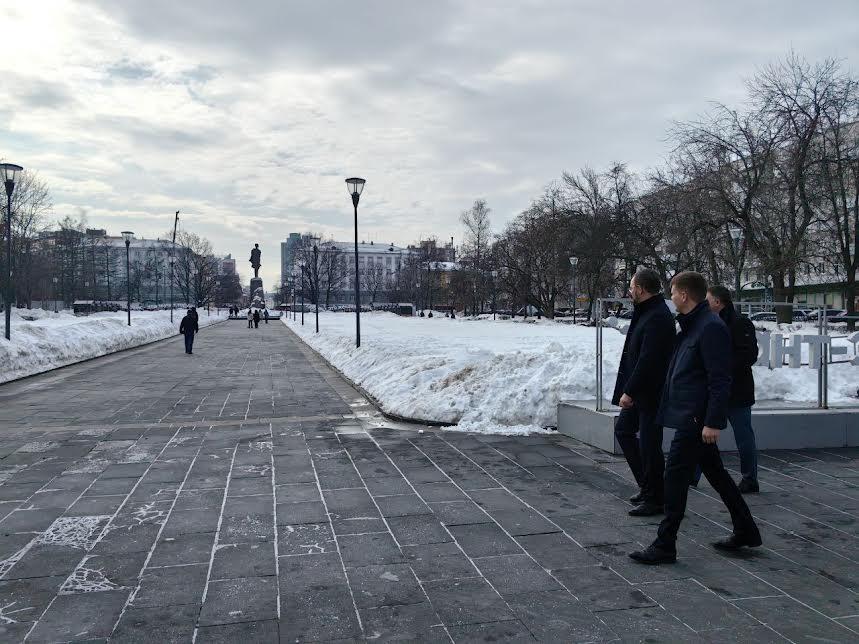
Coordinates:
502 376
43 340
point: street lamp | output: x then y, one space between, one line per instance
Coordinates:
356 187
301 266
316 279
9 172
127 235
573 263
55 293
737 234
494 291
172 261
294 291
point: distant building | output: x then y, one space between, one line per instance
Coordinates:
287 256
227 266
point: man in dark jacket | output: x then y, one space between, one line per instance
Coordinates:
256 318
694 403
640 376
745 353
188 327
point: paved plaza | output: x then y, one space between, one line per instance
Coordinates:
248 494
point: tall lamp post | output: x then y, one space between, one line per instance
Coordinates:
127 235
55 293
172 263
10 173
737 236
494 292
573 263
356 187
301 266
316 279
294 292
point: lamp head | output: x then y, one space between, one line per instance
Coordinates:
9 173
574 261
127 235
736 233
355 185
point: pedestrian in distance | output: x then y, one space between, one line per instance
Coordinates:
256 318
638 389
745 354
250 319
265 315
188 327
694 403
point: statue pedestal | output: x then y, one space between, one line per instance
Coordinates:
256 282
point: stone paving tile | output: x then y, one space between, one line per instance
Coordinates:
244 599
466 601
94 479
263 632
510 574
512 631
404 623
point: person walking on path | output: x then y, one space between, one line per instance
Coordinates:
256 318
745 353
641 374
188 327
265 315
250 319
694 403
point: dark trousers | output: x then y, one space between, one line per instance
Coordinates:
687 452
640 439
189 342
256 323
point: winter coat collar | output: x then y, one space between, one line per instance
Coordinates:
688 319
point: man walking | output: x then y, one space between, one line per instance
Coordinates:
640 376
256 318
250 319
265 315
745 353
694 403
188 327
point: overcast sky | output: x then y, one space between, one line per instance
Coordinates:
248 116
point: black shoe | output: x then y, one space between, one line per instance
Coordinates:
646 509
748 486
638 498
735 542
653 556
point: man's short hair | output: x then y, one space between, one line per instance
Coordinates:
693 283
648 279
722 294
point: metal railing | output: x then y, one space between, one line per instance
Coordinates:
823 356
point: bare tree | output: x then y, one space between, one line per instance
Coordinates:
476 249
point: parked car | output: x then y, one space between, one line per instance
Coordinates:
763 316
830 313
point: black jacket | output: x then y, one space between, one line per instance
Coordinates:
745 354
188 325
698 385
646 352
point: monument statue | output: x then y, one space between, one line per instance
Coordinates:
255 259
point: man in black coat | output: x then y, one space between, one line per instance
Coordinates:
694 403
643 365
745 353
188 327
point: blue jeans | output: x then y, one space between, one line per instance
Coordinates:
744 436
189 342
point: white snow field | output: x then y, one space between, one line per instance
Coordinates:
44 340
502 376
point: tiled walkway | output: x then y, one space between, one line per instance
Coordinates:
247 494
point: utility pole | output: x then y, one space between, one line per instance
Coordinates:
172 261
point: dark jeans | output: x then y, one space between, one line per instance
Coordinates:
256 323
687 452
744 436
189 342
640 439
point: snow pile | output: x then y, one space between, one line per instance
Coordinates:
44 340
502 376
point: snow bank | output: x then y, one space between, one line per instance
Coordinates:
44 340
501 376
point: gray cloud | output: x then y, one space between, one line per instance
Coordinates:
248 117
